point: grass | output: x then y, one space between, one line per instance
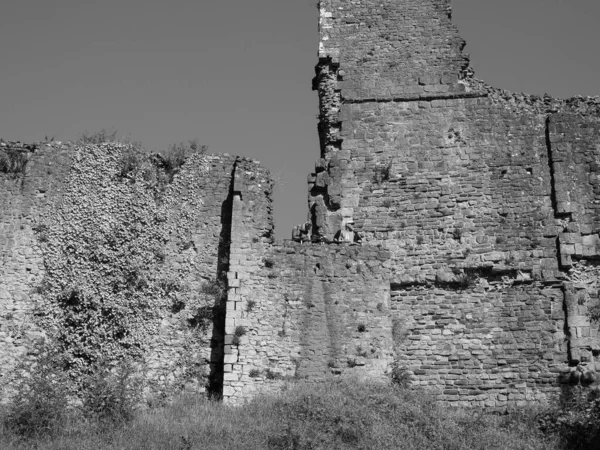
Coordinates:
329 415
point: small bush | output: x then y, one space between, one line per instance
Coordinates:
576 421
399 375
387 203
361 328
175 156
466 279
40 405
240 331
457 234
594 313
271 375
420 240
13 161
250 305
98 137
254 373
381 173
269 263
112 394
235 340
132 160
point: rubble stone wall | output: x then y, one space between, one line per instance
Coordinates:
69 209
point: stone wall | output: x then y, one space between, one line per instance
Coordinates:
24 194
481 200
484 198
73 220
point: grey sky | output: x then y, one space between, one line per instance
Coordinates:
237 74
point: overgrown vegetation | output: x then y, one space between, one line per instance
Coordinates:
466 278
98 137
157 169
46 402
575 419
382 173
107 281
12 160
330 415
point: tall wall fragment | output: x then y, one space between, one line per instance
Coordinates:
484 198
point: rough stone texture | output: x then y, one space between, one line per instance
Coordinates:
22 198
194 252
477 208
482 200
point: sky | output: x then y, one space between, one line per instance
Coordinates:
236 74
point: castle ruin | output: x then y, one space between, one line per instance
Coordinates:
477 209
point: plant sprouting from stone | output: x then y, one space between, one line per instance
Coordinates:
269 263
457 234
13 161
382 173
250 305
98 137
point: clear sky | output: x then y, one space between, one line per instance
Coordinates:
236 74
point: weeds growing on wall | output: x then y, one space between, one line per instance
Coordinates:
98 137
12 161
171 161
382 173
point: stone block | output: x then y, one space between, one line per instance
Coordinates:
230 359
228 391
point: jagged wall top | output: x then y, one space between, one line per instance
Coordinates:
392 48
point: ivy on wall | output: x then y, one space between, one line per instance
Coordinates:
114 248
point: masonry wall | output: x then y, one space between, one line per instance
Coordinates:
22 198
73 221
484 198
309 312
